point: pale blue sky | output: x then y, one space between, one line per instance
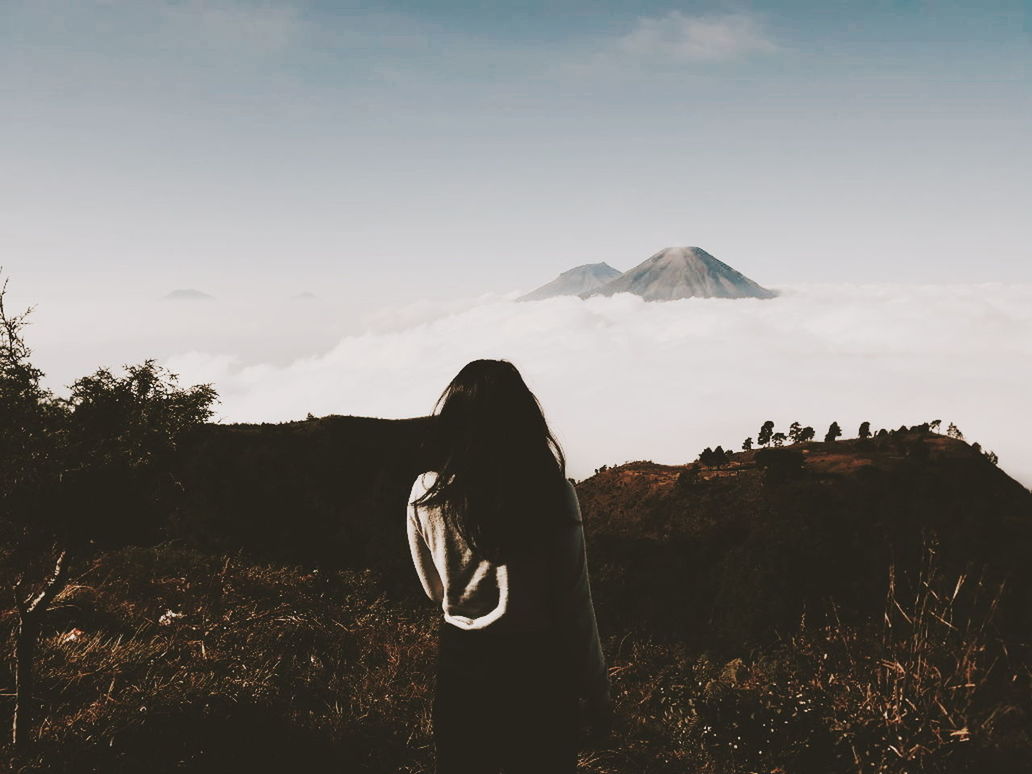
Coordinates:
375 152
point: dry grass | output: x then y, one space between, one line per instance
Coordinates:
258 663
929 690
269 668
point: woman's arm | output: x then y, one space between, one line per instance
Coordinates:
576 612
422 559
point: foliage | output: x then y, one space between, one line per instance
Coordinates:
780 463
28 413
90 464
714 457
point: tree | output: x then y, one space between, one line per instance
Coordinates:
27 421
780 464
747 444
934 425
806 434
794 430
778 439
97 465
865 430
766 431
834 431
687 477
720 456
954 432
992 457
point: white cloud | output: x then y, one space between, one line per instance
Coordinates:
622 379
678 37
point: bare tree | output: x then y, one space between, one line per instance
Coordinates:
30 613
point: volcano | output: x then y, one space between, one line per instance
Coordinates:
575 281
682 272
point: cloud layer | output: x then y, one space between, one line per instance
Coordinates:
678 37
622 379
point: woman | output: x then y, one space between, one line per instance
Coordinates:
497 540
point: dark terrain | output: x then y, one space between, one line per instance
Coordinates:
273 621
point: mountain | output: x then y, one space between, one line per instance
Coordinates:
188 294
682 272
575 281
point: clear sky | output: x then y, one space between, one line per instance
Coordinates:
383 152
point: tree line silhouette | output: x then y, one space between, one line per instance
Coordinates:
768 437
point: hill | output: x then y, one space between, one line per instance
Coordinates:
574 281
682 272
275 620
755 543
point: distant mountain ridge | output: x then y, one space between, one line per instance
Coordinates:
575 281
682 272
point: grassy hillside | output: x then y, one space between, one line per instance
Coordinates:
828 607
751 545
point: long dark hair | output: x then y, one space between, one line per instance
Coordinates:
501 474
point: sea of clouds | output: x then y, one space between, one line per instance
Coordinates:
622 379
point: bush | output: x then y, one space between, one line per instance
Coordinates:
780 464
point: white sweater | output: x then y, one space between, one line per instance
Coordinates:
475 593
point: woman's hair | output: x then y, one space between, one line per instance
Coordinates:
501 474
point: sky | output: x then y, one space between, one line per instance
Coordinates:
407 164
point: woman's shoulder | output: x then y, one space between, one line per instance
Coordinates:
572 501
423 482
